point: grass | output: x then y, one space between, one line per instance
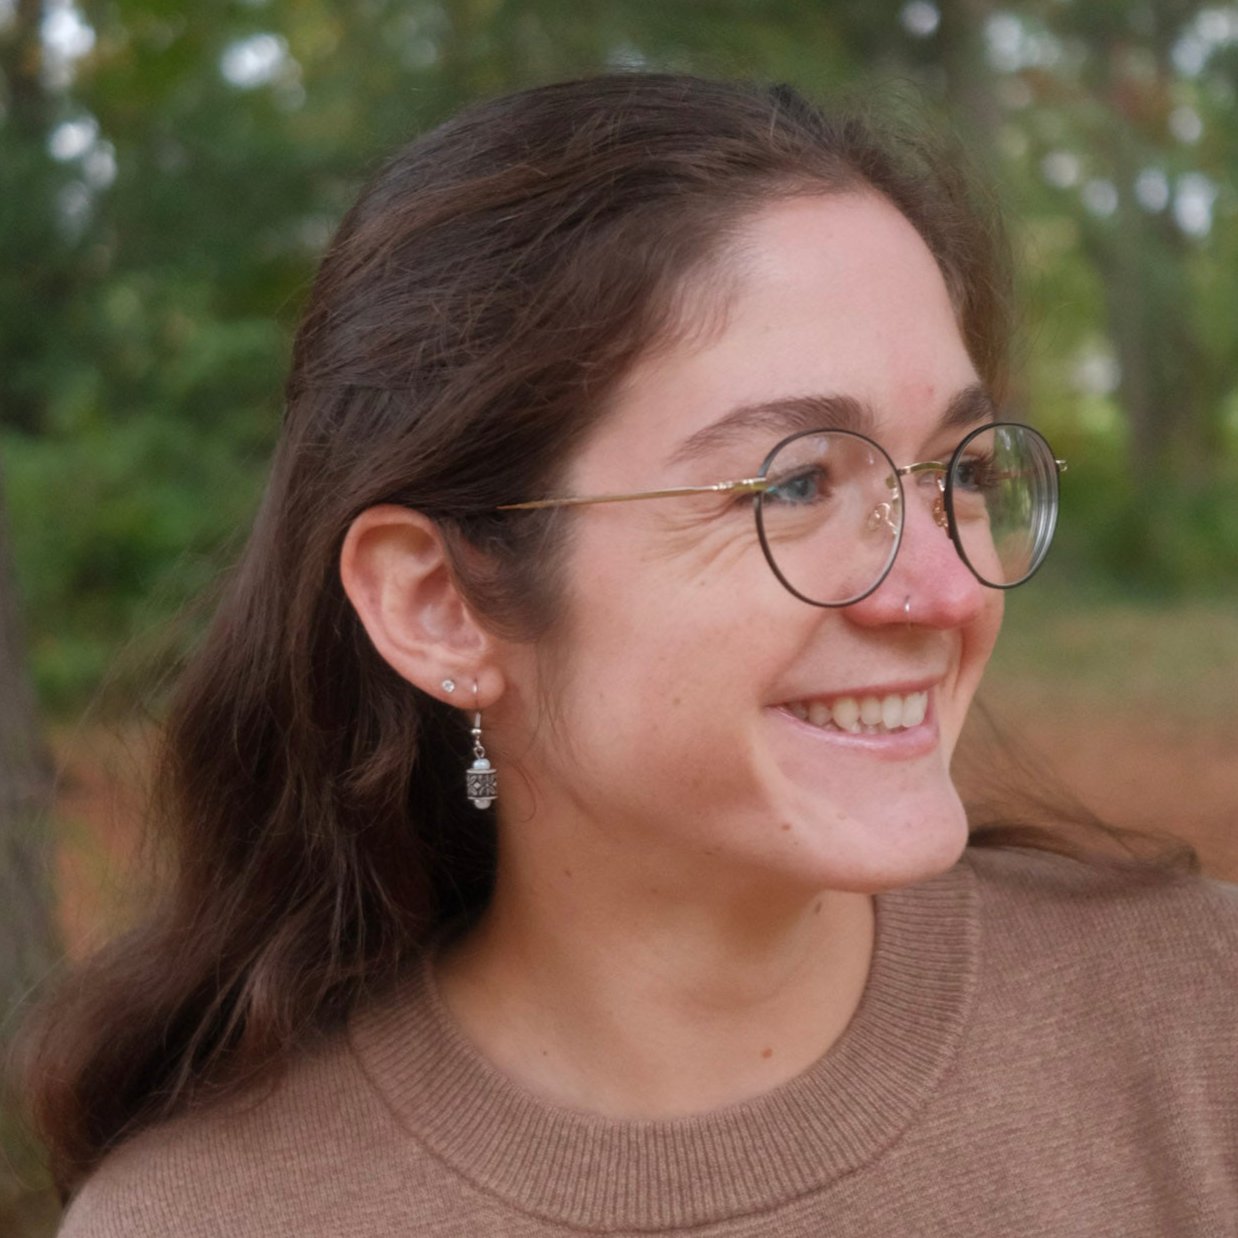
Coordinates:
1178 660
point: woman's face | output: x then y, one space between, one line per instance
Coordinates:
680 743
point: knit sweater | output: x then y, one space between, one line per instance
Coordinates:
1042 1048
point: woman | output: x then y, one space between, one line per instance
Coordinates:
639 463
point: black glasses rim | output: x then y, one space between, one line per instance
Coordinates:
952 528
1045 539
759 512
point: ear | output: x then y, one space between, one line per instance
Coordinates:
396 574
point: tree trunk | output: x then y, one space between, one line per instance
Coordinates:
971 93
28 946
27 938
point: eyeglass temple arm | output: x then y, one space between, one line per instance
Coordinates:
940 466
745 485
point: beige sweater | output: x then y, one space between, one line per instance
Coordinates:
1040 1050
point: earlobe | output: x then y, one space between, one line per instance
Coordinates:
396 573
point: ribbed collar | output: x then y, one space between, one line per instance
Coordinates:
601 1174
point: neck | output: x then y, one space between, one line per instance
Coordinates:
657 1001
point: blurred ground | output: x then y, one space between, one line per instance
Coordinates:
1135 708
102 772
1135 768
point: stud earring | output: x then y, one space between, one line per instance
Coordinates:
449 686
481 782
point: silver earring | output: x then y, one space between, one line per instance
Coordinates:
449 686
481 782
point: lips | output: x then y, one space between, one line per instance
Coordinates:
865 714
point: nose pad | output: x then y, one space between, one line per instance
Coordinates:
882 516
939 504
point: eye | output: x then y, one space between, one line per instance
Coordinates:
809 484
978 474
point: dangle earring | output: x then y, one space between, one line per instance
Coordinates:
481 782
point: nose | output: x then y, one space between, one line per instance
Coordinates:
929 584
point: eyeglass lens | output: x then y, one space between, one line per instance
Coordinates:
831 517
1002 493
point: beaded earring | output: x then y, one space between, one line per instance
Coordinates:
481 781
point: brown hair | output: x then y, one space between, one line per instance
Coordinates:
475 308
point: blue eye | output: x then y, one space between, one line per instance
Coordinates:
808 485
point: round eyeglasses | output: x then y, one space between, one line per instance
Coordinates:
830 507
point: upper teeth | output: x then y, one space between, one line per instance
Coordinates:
864 713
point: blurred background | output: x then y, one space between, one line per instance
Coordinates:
170 172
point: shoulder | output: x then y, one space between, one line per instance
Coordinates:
1054 891
1100 1044
1163 940
265 1163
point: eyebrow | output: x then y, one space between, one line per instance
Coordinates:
971 406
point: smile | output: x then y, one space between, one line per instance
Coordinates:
863 715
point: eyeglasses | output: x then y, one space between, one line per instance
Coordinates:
830 507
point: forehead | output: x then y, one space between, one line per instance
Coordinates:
834 297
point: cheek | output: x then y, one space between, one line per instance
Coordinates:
979 639
657 602
988 627
664 671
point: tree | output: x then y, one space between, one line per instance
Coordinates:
28 946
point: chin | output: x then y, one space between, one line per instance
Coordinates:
868 848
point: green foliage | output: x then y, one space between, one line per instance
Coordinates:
1156 542
154 266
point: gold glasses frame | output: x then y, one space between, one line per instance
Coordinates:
759 484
